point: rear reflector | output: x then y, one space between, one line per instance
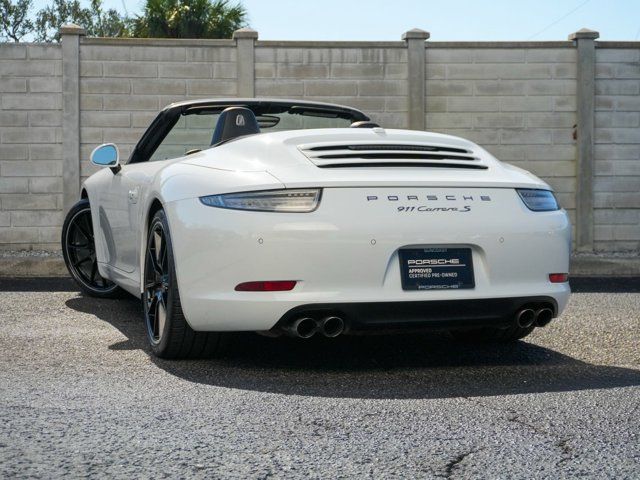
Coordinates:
558 277
268 286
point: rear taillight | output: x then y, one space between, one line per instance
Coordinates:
299 200
558 277
266 286
538 200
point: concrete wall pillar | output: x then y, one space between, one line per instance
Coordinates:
245 43
415 39
585 101
70 35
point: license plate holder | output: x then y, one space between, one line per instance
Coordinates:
436 268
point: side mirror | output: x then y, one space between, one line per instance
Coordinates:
106 155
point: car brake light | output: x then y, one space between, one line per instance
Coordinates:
558 277
267 286
300 200
538 200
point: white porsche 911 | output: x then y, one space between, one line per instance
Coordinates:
303 218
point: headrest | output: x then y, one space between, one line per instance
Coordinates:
235 122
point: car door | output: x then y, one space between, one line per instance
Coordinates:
119 215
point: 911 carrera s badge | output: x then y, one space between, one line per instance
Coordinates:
410 206
425 208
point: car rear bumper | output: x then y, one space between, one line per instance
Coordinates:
345 254
439 314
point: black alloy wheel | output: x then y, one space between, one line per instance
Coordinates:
79 252
156 283
170 336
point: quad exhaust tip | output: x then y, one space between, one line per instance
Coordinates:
543 316
539 317
331 327
525 317
305 327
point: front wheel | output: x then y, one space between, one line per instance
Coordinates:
79 252
169 334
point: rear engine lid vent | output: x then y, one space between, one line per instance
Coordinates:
390 155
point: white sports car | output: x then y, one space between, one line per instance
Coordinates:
303 218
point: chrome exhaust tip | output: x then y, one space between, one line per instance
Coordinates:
543 317
331 327
525 317
305 327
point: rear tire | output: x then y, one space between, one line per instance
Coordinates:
79 253
169 334
510 334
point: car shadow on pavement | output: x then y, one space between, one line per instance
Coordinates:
376 367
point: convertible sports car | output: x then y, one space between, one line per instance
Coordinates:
303 218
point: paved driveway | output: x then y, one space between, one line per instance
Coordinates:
80 395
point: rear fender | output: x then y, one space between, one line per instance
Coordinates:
182 181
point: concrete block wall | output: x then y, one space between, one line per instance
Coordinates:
517 102
617 149
124 83
373 79
529 103
30 146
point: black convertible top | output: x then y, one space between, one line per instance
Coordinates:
170 114
263 106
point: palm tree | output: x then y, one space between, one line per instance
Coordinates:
190 19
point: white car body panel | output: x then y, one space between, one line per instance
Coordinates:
336 259
344 252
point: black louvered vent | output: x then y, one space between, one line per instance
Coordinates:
386 155
390 147
469 166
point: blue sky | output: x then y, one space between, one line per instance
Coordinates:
446 20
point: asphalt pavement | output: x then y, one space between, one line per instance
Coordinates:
80 395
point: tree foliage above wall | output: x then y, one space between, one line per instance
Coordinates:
94 19
160 18
14 20
189 19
